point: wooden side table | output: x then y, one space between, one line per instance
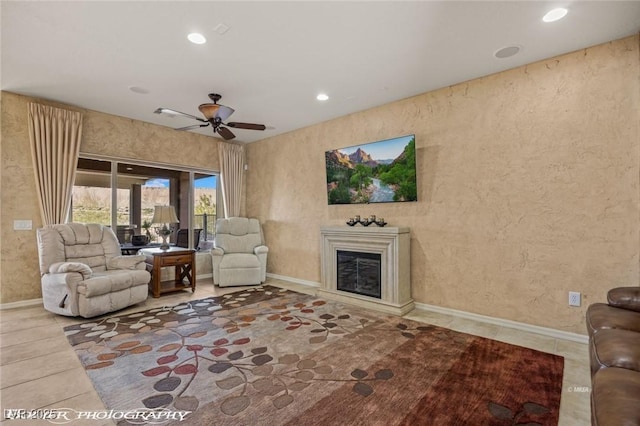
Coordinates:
184 261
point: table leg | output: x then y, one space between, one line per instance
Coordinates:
156 276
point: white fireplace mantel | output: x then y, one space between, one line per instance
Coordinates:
393 245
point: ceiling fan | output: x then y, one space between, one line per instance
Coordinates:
215 116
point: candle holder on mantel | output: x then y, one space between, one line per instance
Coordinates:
380 222
367 221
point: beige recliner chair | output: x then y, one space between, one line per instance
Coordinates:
84 273
239 256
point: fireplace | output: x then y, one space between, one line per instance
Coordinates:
359 273
368 267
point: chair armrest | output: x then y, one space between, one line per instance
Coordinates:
625 298
261 250
216 259
65 267
127 262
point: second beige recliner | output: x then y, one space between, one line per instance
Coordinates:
240 255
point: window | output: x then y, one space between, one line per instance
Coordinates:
204 208
139 188
91 196
154 192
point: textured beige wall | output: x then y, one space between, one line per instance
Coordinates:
103 134
528 187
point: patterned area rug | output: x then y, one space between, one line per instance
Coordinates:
269 356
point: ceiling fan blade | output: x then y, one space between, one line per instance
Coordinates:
169 111
249 126
225 133
195 126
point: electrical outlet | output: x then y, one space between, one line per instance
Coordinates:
22 225
574 298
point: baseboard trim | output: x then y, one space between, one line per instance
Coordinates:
20 304
34 302
545 331
293 280
203 276
549 332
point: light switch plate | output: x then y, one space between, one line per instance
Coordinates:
22 225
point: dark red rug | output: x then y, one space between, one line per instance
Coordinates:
268 356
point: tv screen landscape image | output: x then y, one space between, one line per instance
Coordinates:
377 172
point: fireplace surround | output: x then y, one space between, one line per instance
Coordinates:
361 246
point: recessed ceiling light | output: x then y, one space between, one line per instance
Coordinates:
555 14
322 97
506 52
197 38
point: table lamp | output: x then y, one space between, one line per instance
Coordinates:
163 217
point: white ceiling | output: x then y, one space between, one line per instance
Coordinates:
276 57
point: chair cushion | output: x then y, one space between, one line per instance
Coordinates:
615 348
625 298
112 281
601 316
239 261
237 226
89 307
91 244
615 397
238 234
239 269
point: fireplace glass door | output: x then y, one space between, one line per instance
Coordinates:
359 273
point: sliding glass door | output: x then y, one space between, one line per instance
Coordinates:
135 189
205 194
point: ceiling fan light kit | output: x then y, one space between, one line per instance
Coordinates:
212 111
215 115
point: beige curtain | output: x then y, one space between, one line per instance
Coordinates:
231 171
55 142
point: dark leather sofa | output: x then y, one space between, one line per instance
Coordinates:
614 350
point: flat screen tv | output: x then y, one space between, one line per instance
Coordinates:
376 172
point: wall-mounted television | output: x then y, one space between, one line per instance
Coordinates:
376 172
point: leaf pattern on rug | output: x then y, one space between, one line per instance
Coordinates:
236 365
269 356
519 417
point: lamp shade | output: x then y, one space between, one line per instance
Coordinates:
164 214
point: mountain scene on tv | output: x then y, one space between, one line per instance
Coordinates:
378 172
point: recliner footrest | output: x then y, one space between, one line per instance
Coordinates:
615 397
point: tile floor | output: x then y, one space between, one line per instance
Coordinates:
39 370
